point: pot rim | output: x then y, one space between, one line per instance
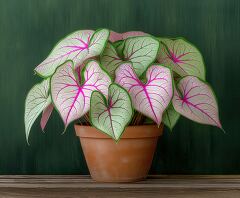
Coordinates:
131 132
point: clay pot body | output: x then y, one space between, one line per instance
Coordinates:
128 160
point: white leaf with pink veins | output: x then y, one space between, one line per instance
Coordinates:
150 98
71 98
196 101
182 57
77 47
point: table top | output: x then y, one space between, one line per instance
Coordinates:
182 186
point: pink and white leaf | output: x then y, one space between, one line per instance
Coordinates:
115 36
126 35
111 115
183 57
77 47
71 97
45 116
37 100
196 101
150 98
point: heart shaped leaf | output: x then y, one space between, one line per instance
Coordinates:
46 115
196 101
141 51
170 117
111 115
110 59
183 57
150 98
98 42
37 100
72 98
77 47
114 36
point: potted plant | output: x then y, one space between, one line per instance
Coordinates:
121 86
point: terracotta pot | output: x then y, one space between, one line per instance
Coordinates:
128 160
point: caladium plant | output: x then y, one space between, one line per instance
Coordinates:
111 80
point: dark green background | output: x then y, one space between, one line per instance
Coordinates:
30 28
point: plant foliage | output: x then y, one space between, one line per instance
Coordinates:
112 80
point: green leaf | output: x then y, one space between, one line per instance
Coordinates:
37 100
182 57
148 121
141 51
111 115
170 117
119 45
110 59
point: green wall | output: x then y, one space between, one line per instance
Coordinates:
30 28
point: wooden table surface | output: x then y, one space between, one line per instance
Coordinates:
182 186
